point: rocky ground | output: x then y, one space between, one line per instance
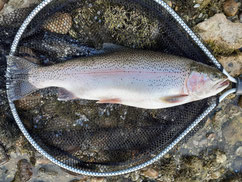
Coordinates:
214 153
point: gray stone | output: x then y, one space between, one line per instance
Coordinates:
232 64
135 176
220 32
232 130
16 4
3 156
47 171
151 173
221 158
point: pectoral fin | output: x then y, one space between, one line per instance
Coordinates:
64 95
174 99
111 101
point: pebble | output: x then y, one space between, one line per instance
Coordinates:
151 173
169 3
42 160
211 136
221 158
134 176
60 23
216 175
238 151
196 6
230 7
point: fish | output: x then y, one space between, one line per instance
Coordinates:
138 78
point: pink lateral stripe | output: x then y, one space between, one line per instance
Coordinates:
120 72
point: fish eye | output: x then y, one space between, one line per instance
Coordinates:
214 76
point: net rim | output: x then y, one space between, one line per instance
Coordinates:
119 172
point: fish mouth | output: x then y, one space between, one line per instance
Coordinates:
223 84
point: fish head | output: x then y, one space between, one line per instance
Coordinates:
206 81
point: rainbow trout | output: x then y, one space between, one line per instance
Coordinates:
138 78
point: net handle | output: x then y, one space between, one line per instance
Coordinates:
82 172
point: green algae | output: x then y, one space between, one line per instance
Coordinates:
121 24
204 167
86 21
130 26
219 49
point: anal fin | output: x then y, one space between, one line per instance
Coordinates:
111 101
65 95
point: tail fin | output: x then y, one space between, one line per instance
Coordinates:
17 77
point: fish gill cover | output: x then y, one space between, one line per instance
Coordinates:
82 134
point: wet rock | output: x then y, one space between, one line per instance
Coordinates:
223 36
230 7
24 172
9 132
16 4
232 64
60 23
151 173
238 151
232 131
97 180
47 171
3 155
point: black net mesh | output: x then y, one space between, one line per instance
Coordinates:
83 134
